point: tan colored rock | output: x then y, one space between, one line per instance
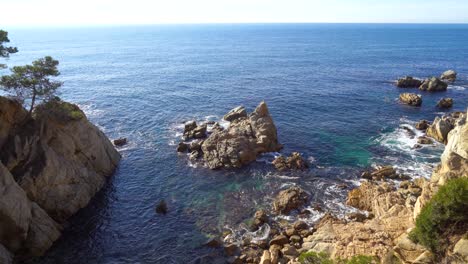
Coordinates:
422 125
407 250
289 199
433 84
461 249
440 128
266 259
449 75
411 99
425 258
236 113
293 162
275 253
243 141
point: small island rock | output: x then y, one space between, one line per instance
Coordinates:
408 82
411 99
445 103
433 84
449 75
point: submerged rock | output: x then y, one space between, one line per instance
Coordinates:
289 199
411 99
424 140
294 162
445 103
242 141
182 147
408 82
433 84
161 207
449 75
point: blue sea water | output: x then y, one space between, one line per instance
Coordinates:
328 87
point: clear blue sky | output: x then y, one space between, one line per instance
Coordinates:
105 12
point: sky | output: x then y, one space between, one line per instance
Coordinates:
129 12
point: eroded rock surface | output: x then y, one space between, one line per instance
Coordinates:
240 144
411 99
433 84
408 82
51 166
449 75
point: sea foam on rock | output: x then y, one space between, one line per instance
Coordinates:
51 165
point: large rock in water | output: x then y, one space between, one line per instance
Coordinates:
449 75
411 99
440 128
289 199
51 166
408 82
245 138
433 84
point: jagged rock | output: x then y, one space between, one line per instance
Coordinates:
294 162
422 125
194 155
189 126
433 84
424 140
300 225
266 259
411 99
358 217
182 147
52 164
289 250
196 145
440 128
289 199
407 250
382 173
449 75
461 249
120 142
408 82
279 240
236 113
445 103
243 141
260 218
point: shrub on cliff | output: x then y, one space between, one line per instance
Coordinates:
323 258
444 216
59 110
32 82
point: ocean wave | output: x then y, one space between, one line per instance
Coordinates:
402 151
456 87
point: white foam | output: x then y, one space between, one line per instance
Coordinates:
456 87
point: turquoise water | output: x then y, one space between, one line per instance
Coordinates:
329 89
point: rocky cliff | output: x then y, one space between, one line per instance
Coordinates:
51 165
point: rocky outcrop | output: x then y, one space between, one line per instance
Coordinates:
236 113
294 162
289 199
445 103
382 173
411 99
240 144
422 125
441 126
408 82
433 84
449 75
51 166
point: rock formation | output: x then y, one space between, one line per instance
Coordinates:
294 162
449 75
411 99
408 82
245 138
445 103
51 165
433 84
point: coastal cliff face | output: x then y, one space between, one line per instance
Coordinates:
51 165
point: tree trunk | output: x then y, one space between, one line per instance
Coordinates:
33 101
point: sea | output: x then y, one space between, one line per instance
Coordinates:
329 88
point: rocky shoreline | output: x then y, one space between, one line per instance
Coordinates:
51 164
387 205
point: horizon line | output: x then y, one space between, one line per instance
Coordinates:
226 23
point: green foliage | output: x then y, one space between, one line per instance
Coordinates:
323 258
315 258
444 215
5 51
59 110
32 81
